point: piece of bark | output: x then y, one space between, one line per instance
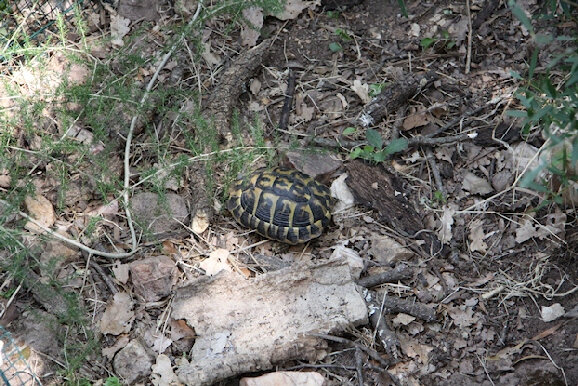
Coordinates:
218 111
401 272
224 97
381 190
394 305
393 97
504 133
249 325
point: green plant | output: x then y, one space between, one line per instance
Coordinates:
333 14
444 41
374 150
549 100
335 47
376 88
343 35
112 381
402 8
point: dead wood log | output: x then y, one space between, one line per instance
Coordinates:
218 112
393 98
249 325
381 190
401 272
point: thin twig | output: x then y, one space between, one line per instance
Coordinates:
470 33
284 119
423 140
75 243
359 366
372 353
431 159
454 121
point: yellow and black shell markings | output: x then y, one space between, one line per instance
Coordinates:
281 204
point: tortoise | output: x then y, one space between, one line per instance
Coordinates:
281 204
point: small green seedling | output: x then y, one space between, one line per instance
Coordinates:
374 150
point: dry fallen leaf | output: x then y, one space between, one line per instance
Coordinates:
475 184
362 90
294 7
118 316
403 319
40 209
416 120
463 318
109 352
251 28
477 236
551 313
302 111
341 191
119 27
121 272
447 220
163 374
217 261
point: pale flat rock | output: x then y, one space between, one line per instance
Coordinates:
132 363
159 215
249 325
153 277
285 378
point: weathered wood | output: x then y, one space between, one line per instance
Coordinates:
249 325
381 190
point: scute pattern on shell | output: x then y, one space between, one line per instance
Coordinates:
281 204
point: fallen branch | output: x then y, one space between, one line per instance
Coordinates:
387 338
401 272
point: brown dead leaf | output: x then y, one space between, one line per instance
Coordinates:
294 7
447 221
163 374
413 349
251 28
303 111
462 317
40 209
403 319
121 342
415 120
118 316
217 261
477 236
475 184
119 27
121 272
362 90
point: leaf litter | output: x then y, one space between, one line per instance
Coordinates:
492 295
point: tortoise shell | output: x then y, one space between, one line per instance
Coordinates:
281 204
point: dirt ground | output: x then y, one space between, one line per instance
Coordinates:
484 261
